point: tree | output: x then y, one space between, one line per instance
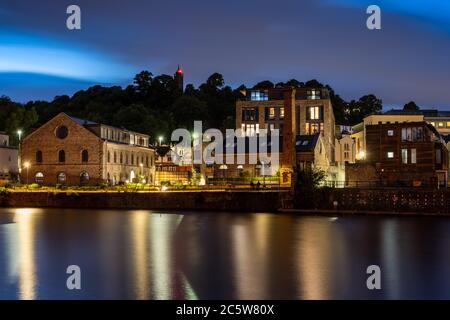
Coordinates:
411 106
187 109
266 84
143 81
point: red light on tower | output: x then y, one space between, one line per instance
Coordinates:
179 70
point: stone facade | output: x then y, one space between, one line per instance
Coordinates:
8 159
69 151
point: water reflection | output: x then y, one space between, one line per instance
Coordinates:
152 255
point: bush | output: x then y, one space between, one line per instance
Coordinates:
308 193
34 186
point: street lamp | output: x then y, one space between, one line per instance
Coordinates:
19 162
161 138
27 165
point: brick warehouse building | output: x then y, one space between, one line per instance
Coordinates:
72 151
407 154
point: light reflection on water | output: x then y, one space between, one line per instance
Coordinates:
152 255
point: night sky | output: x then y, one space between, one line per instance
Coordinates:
245 40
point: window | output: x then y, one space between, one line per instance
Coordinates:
271 113
84 177
438 156
39 156
405 156
313 128
61 156
281 113
346 155
412 134
132 159
62 132
313 94
121 158
109 157
61 178
259 95
448 124
413 156
115 157
84 156
390 155
39 177
249 114
440 124
390 133
314 113
346 147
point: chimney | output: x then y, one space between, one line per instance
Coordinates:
288 157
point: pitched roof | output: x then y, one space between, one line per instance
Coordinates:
82 122
306 143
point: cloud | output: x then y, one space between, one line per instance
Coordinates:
21 52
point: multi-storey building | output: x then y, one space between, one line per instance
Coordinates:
408 154
8 159
265 109
71 151
169 170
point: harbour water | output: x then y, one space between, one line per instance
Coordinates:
197 255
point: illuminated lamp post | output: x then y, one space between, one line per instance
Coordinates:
19 162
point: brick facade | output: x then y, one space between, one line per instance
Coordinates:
41 149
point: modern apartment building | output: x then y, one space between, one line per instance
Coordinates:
265 109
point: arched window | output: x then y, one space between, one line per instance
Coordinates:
39 177
61 178
84 178
39 156
61 156
84 156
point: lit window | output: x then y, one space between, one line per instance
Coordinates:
440 124
271 113
258 95
313 94
433 124
314 113
61 177
390 133
390 155
413 156
39 177
405 156
281 113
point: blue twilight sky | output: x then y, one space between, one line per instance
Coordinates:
247 41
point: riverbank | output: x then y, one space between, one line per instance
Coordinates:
249 201
334 213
